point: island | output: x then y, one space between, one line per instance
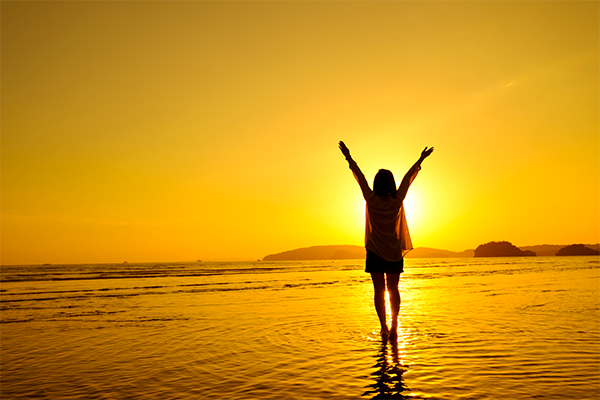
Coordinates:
428 252
333 252
352 252
501 249
491 249
547 250
577 250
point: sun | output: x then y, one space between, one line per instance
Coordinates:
351 217
358 216
412 207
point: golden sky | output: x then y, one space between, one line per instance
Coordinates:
173 131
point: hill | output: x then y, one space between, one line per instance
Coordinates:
341 252
577 250
501 249
543 249
550 250
427 252
350 252
319 253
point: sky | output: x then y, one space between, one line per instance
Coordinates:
177 131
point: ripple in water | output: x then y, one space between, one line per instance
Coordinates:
479 329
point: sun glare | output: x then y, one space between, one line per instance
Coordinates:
355 218
411 206
358 217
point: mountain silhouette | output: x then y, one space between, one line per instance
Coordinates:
577 250
350 252
501 249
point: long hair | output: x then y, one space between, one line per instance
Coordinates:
384 183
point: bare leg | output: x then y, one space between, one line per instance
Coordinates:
392 287
379 286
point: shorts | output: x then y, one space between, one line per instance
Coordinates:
379 265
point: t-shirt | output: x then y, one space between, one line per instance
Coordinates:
386 229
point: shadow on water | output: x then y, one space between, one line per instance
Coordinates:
388 375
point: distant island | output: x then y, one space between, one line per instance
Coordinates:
548 250
351 252
428 252
499 249
577 250
320 253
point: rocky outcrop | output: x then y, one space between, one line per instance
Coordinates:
501 249
577 250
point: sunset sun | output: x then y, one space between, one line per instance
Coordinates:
412 207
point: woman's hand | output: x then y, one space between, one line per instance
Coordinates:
426 153
344 149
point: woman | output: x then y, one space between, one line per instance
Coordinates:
386 235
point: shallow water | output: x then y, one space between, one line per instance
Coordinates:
472 328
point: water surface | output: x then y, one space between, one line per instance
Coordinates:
472 328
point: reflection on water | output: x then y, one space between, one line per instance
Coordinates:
388 375
518 328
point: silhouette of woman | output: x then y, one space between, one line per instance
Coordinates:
387 239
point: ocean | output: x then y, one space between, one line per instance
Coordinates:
470 328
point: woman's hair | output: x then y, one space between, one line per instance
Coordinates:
384 183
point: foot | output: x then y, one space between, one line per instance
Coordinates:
394 331
393 335
384 333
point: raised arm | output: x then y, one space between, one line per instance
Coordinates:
412 173
360 177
